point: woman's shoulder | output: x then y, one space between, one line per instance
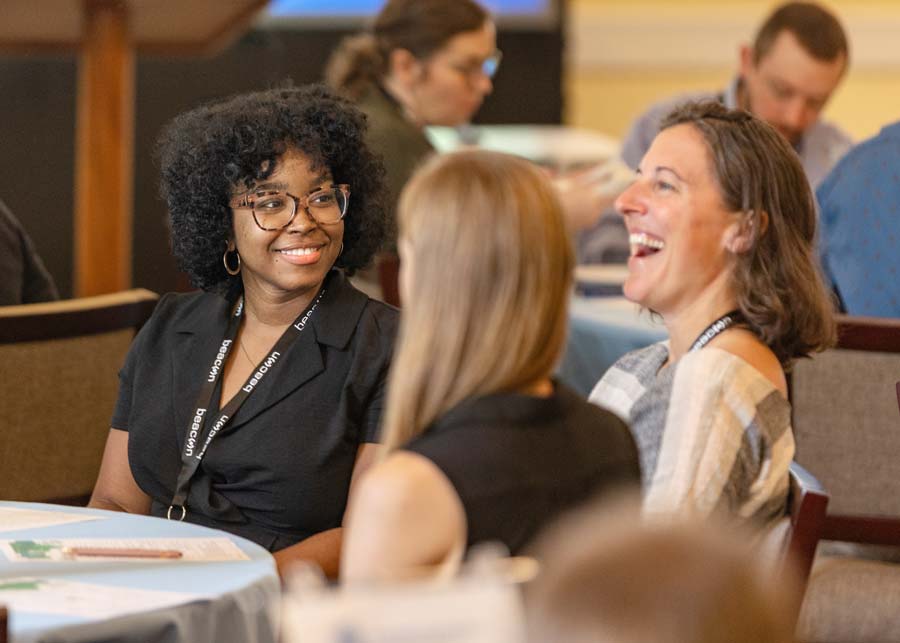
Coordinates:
717 391
649 359
402 476
382 316
406 486
187 310
629 378
404 516
194 312
388 130
381 113
738 357
360 329
376 321
185 302
717 383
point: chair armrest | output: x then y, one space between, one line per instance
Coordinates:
869 530
808 504
868 334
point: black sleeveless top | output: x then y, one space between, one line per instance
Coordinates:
518 461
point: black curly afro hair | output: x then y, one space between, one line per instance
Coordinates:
210 152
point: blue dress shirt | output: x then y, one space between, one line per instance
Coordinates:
860 226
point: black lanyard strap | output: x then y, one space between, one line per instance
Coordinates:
195 444
719 326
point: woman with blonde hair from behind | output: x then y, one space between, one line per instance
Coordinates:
482 445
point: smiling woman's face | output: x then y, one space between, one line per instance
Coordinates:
678 225
293 261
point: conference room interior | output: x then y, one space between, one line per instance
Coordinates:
575 74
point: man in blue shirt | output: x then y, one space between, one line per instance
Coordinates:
860 226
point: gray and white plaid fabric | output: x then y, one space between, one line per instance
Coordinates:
713 433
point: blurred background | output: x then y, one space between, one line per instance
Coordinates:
592 64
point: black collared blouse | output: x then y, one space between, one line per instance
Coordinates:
280 470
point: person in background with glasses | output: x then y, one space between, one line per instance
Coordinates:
423 62
252 405
431 62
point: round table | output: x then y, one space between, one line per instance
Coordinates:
231 600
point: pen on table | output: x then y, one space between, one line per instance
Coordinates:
122 552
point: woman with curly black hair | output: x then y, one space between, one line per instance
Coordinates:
251 406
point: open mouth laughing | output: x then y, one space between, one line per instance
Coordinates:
644 245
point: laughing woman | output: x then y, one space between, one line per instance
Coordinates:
721 222
250 406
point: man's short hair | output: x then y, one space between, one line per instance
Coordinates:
816 28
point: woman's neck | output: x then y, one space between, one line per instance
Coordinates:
266 309
685 325
403 98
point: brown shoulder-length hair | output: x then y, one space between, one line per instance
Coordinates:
486 300
421 27
777 279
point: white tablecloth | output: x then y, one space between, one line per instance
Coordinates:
238 594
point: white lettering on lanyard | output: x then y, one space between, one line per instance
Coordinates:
217 363
212 433
300 325
263 369
195 429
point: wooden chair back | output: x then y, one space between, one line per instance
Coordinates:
845 420
59 364
847 433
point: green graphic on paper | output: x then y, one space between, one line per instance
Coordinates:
32 549
14 585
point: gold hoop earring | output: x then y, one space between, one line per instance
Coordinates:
231 271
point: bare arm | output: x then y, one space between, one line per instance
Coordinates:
116 489
324 548
405 518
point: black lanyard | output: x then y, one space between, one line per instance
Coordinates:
722 324
192 452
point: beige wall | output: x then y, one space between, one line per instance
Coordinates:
623 54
